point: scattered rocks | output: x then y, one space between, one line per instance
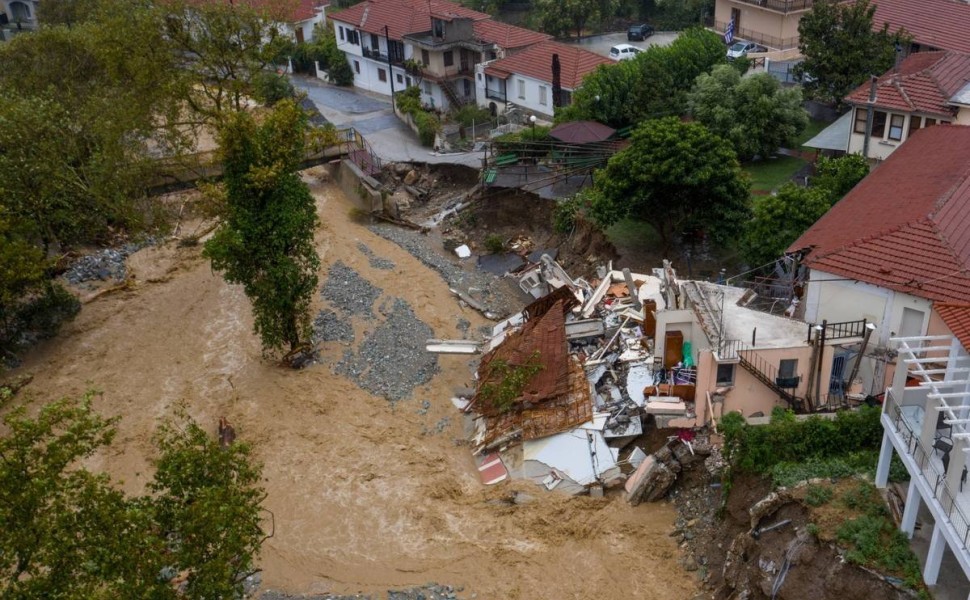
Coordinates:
348 292
392 361
431 591
375 261
105 264
328 327
496 295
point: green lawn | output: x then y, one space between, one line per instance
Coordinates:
768 174
813 128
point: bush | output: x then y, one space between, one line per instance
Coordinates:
409 103
471 113
269 88
494 244
817 495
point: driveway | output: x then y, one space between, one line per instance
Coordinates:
372 116
601 44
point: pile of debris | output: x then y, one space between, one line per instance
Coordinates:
565 385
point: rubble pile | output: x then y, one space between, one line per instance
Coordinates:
105 264
375 261
348 292
431 591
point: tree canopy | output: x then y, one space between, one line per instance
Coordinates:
69 533
674 176
652 85
841 48
755 113
562 17
265 241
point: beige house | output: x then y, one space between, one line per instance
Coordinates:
772 23
926 89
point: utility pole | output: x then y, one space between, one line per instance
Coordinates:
390 65
869 116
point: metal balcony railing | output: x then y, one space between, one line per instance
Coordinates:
784 6
929 469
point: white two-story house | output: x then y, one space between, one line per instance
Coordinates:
393 44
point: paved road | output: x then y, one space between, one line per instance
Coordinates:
601 44
372 116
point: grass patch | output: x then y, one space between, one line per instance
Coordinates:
768 174
814 127
631 233
817 495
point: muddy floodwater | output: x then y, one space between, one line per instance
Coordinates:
367 493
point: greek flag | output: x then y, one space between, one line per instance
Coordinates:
729 33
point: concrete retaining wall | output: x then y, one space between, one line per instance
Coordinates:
364 191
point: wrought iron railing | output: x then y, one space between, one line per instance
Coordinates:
932 473
785 6
755 36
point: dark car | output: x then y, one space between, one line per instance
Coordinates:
639 32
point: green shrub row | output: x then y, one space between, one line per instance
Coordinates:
409 103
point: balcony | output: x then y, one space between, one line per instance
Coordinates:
755 36
906 421
782 6
397 59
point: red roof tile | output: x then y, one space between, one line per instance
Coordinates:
536 62
924 82
402 17
507 36
940 24
906 226
956 315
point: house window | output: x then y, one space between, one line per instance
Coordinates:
449 58
914 122
542 95
521 89
425 58
353 36
879 124
427 87
788 367
860 121
341 30
928 122
407 81
725 374
896 127
400 78
357 67
438 28
375 43
382 75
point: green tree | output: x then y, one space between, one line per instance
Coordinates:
755 113
652 85
841 48
22 272
227 46
69 533
839 175
265 241
674 176
562 17
777 221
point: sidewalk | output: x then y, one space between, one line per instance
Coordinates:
372 116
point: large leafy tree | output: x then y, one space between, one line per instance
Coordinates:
69 533
755 113
82 111
562 17
265 242
839 175
674 176
224 46
841 48
653 85
778 219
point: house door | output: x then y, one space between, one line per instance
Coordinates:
912 323
838 375
299 35
736 17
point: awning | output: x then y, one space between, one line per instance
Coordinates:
835 136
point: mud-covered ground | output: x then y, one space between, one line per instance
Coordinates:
371 487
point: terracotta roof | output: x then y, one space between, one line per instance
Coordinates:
940 24
536 62
906 226
923 83
581 132
402 17
507 36
956 315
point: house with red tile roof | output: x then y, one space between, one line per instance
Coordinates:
436 45
896 246
524 79
933 24
295 18
926 89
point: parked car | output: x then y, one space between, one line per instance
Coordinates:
741 49
624 52
638 33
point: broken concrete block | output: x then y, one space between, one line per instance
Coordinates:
766 506
649 482
411 177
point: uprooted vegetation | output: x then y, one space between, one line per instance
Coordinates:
800 515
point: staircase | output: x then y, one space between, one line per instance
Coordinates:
448 86
765 372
